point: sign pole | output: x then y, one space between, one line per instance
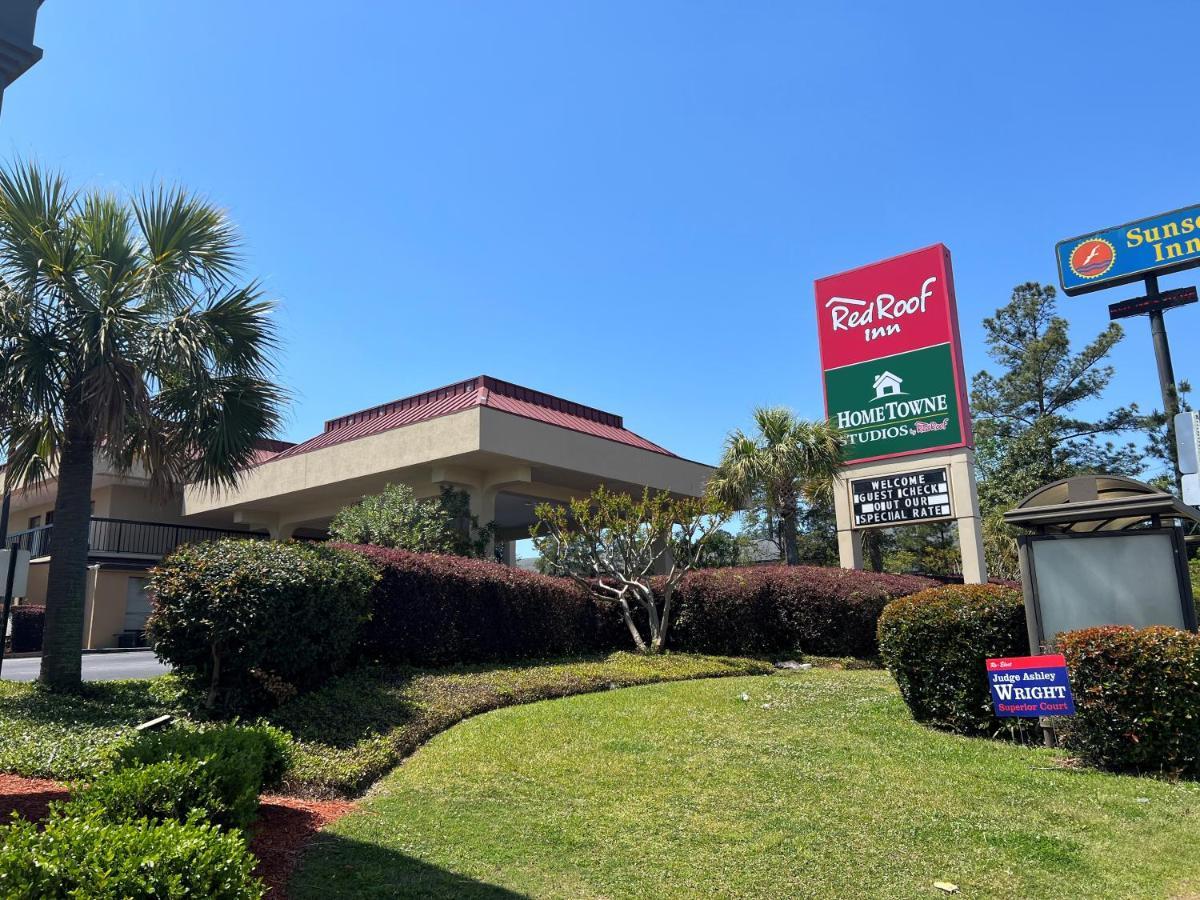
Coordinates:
1166 372
9 579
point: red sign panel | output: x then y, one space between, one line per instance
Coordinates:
900 304
892 358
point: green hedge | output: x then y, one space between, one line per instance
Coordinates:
28 623
247 624
935 642
87 856
236 764
1137 698
173 789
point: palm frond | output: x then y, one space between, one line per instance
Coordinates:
186 239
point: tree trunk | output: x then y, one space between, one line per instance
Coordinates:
632 626
787 524
873 543
646 595
67 579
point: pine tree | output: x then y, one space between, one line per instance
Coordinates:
1028 426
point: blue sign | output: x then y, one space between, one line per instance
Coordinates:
1030 686
1155 246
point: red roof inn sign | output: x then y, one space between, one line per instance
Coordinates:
891 356
893 375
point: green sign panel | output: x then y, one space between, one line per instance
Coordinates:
895 404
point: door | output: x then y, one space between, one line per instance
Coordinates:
137 604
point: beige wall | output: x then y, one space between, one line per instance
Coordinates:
365 459
104 601
483 449
36 590
129 501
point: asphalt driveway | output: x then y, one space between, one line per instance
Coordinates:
96 666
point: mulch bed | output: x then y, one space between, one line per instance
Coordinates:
285 824
27 797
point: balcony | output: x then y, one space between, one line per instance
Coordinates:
126 537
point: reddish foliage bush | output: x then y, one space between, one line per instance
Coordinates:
777 609
934 643
437 610
432 610
27 625
1137 696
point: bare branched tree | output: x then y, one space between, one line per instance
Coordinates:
615 544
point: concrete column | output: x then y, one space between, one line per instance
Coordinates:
483 507
970 532
510 553
850 554
283 531
970 543
662 565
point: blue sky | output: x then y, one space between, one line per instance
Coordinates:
624 203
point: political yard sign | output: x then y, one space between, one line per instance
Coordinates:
891 356
1030 686
1165 243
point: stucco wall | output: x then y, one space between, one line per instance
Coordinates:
36 591
138 502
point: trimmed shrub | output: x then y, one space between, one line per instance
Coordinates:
170 790
935 642
86 856
432 610
238 763
767 610
27 625
1137 698
247 624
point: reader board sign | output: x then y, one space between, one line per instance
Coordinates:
891 356
1030 686
1140 306
1165 243
918 496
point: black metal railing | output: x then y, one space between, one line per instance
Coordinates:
126 536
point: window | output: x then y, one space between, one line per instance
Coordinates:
137 604
50 517
35 521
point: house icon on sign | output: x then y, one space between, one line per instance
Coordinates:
887 385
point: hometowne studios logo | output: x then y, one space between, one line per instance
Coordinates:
885 417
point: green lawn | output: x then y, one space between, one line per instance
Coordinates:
358 727
818 785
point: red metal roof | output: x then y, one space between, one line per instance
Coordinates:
481 391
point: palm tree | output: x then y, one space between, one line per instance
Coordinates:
134 340
788 459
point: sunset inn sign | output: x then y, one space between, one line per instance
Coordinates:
894 385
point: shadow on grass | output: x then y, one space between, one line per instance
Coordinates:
112 703
375 700
350 707
336 867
